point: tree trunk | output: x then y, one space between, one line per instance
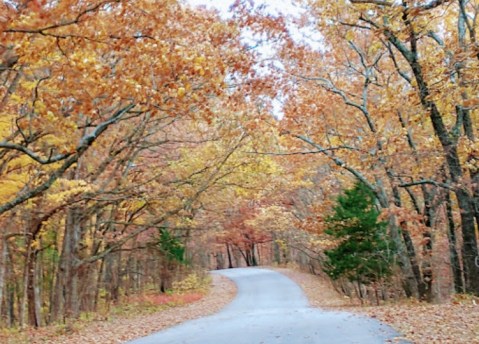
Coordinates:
453 255
448 142
220 262
230 261
254 260
410 281
98 284
424 290
469 248
37 289
10 291
112 277
475 187
66 304
3 269
465 201
32 294
23 303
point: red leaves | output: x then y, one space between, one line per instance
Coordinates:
165 299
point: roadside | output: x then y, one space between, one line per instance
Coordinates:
422 323
124 328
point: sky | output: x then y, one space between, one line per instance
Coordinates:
274 6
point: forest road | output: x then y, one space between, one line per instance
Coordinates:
270 309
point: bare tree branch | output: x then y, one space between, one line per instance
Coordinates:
427 181
309 152
62 23
33 155
373 2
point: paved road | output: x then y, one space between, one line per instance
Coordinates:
272 309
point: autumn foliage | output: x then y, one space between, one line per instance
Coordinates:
123 123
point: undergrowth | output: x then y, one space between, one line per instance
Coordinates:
189 290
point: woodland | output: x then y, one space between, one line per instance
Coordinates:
143 142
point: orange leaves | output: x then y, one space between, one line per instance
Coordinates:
471 103
408 219
71 69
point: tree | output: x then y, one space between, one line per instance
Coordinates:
389 97
364 253
424 52
106 107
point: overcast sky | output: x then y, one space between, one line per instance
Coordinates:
274 6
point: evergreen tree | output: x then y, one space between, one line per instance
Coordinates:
172 247
364 252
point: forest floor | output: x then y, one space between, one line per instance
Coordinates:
124 326
454 322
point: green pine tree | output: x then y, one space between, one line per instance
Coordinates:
172 247
364 253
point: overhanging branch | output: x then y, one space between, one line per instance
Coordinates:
425 182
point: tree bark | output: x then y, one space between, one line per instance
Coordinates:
66 302
230 261
32 294
3 269
453 255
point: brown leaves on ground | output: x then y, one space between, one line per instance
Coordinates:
422 323
123 328
427 323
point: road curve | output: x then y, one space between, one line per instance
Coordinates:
271 309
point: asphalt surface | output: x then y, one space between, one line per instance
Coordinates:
271 309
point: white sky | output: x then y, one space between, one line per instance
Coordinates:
274 6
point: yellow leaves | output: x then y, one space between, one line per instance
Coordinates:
335 140
6 125
12 184
64 189
35 244
375 47
199 70
53 140
469 153
349 35
199 60
137 204
273 218
180 93
19 163
195 97
9 188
